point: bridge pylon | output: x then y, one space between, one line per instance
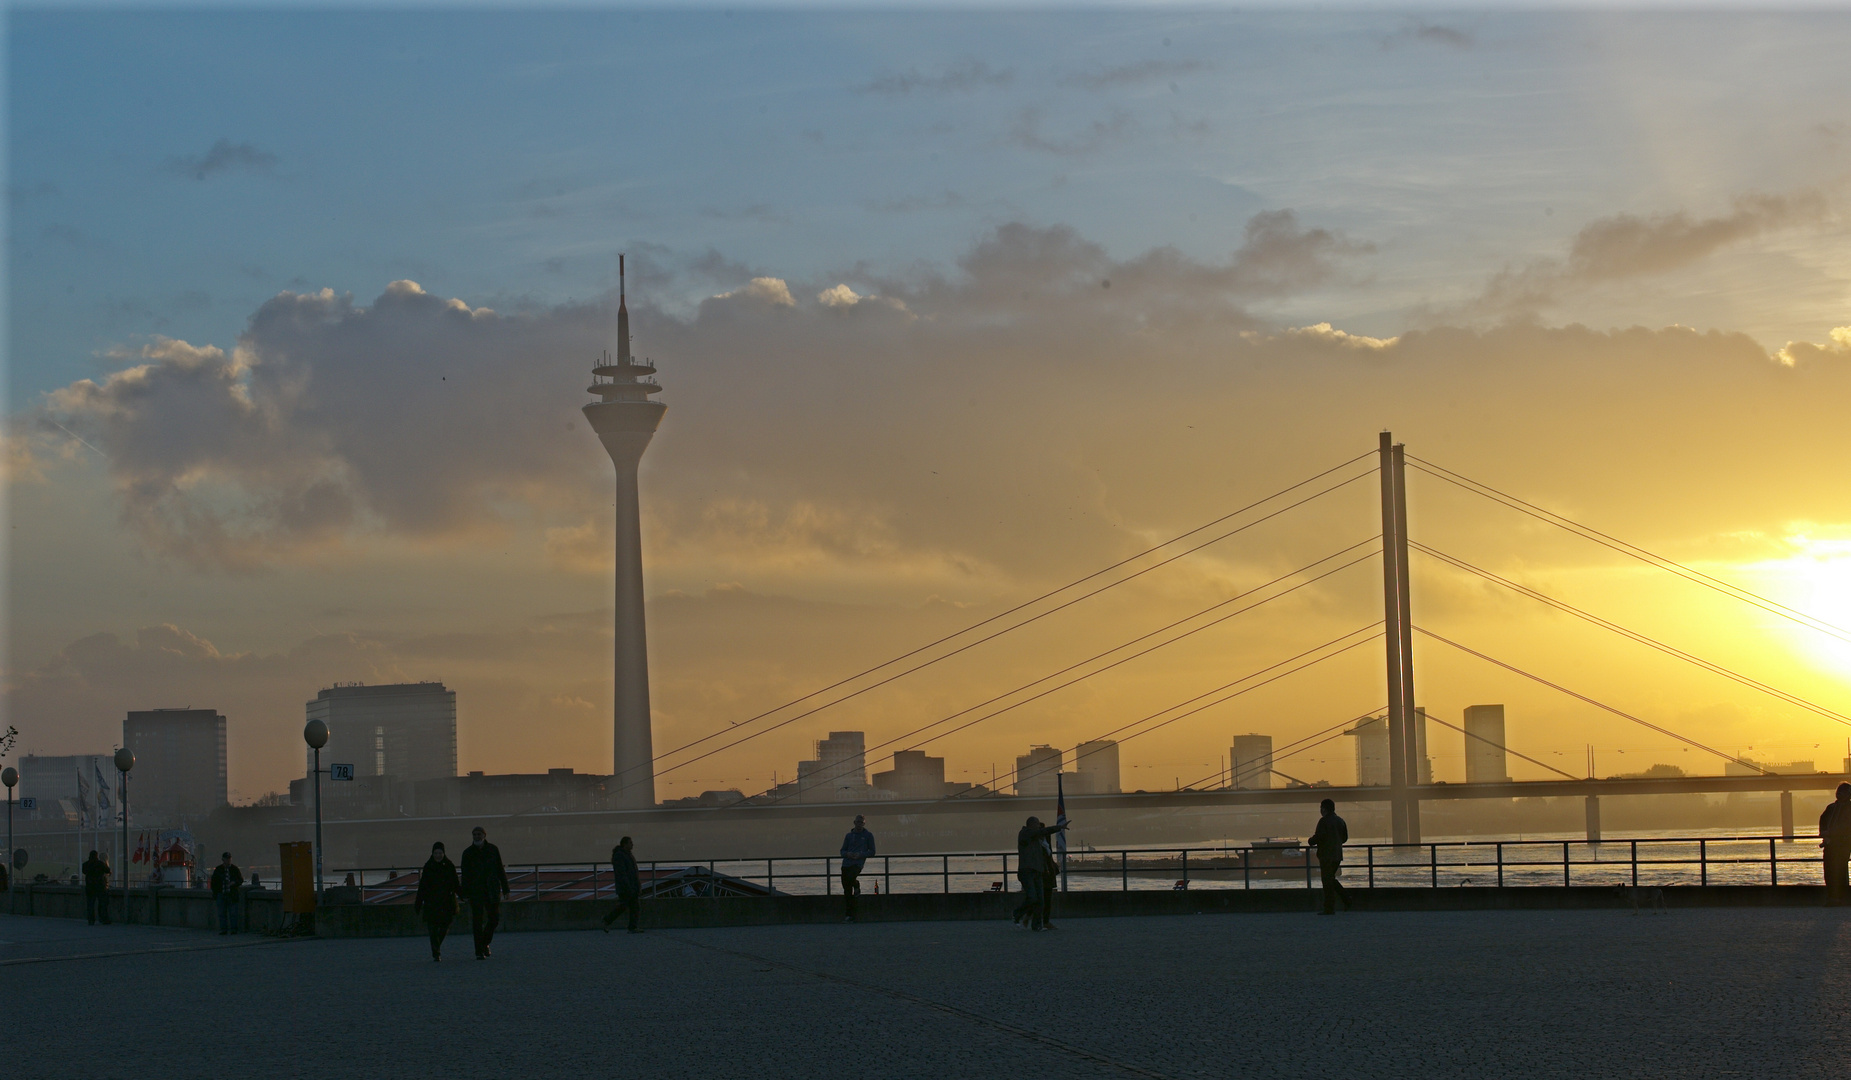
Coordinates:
1398 638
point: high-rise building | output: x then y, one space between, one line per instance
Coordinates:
1423 763
1371 751
1095 766
403 730
1037 772
179 764
913 776
625 420
1250 762
839 771
1485 758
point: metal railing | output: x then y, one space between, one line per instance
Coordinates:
1646 861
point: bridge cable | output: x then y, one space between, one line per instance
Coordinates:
1633 635
1597 704
983 640
1500 746
1123 645
1695 576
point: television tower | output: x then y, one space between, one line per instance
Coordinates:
625 419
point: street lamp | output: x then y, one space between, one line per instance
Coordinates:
9 776
316 735
125 760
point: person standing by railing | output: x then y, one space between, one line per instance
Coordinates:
436 899
857 849
96 889
485 882
1329 838
1835 838
629 885
1035 868
226 880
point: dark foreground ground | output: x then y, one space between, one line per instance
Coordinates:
1710 993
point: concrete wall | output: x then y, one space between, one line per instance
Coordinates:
398 920
260 910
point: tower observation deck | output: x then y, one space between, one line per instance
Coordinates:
625 420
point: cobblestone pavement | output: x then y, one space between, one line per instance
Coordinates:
1762 993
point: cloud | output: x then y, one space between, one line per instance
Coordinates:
225 156
1132 74
1631 246
1426 33
1027 131
1795 353
1325 332
962 77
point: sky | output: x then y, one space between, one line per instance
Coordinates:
952 307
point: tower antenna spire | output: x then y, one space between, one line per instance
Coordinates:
623 318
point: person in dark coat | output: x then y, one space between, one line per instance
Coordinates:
629 885
436 900
96 889
857 849
1035 869
1835 838
226 880
484 883
1328 839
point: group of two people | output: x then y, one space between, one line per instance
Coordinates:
482 881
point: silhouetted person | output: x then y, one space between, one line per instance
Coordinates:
226 880
436 899
1328 839
857 849
96 889
1835 838
1035 869
484 883
629 885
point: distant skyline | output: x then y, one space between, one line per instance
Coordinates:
949 307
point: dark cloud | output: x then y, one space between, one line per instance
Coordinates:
1426 33
1132 74
1028 132
225 156
1631 246
964 76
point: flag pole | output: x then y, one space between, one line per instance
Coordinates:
1060 818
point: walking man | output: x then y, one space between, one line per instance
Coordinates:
436 899
226 880
484 882
629 885
96 889
1328 839
1835 838
857 848
1035 869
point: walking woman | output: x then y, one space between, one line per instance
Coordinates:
436 902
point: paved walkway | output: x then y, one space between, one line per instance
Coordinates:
1453 994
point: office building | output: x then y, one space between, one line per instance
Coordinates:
913 776
1250 762
838 773
180 767
406 731
1371 751
1423 764
1037 773
1485 758
1095 767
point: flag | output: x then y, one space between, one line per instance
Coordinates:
102 787
83 799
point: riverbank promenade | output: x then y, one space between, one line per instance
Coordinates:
1689 993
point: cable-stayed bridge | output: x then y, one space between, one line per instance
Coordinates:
1388 466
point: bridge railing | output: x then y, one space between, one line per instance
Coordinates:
1644 861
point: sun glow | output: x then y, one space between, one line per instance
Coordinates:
1816 579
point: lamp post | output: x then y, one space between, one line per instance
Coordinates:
9 776
125 760
316 735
